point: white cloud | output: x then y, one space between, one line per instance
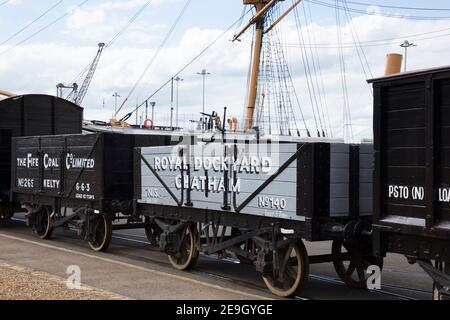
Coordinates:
39 67
104 20
15 2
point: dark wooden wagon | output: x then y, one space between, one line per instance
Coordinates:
31 115
412 172
78 181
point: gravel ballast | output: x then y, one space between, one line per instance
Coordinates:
20 283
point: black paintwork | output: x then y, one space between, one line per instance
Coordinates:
412 148
110 181
31 115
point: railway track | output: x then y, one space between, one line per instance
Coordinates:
317 277
388 290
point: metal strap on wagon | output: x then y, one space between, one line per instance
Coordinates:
82 169
280 170
174 197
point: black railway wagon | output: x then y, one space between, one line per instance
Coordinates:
257 201
30 115
81 181
412 172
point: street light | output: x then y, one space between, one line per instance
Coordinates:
203 74
153 104
116 95
177 79
406 45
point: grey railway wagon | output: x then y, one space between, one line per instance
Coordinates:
412 172
300 185
257 201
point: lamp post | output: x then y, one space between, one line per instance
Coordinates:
153 104
204 73
177 79
116 95
406 45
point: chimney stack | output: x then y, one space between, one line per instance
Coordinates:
393 63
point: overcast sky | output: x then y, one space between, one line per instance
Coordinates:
61 51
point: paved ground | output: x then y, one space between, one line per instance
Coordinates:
133 269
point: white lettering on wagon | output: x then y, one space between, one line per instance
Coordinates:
51 184
50 162
72 162
28 162
406 192
417 193
246 164
152 193
249 165
25 183
203 183
444 195
273 203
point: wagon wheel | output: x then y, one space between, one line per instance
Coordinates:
187 254
101 235
294 269
351 264
152 232
43 223
6 211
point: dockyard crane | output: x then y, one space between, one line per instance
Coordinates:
77 96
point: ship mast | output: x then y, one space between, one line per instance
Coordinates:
262 7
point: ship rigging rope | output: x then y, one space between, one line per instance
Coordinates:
32 22
276 85
319 65
315 79
337 6
249 73
347 116
68 13
128 24
359 50
184 67
375 42
309 82
291 86
4 2
397 7
158 51
115 37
